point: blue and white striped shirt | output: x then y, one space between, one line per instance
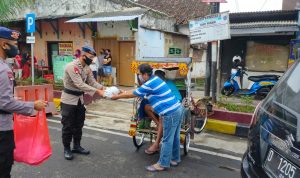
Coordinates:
159 95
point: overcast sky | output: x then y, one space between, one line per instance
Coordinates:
251 5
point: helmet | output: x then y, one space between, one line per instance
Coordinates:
236 58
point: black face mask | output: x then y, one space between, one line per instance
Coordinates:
88 61
12 51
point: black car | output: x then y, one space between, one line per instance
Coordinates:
274 138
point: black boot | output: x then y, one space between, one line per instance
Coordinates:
78 149
68 154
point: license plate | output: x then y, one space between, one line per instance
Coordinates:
279 167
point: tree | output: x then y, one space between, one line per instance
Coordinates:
8 8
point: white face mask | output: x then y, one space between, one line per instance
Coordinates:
141 79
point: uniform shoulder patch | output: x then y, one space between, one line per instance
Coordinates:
76 70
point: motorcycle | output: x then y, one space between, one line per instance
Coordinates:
260 85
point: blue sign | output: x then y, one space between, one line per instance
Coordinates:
30 23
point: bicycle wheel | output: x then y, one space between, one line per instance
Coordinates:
199 122
138 140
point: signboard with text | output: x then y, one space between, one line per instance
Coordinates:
175 51
59 65
210 28
65 49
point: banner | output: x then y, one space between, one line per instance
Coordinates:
65 49
59 65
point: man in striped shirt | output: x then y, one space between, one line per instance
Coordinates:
168 107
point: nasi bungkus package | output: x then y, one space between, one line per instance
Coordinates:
111 91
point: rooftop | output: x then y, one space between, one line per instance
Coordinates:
181 10
262 16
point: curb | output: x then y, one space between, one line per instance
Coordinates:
228 127
232 123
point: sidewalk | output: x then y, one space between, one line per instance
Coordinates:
115 115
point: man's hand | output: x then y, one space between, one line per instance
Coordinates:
100 92
40 105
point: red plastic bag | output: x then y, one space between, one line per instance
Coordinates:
31 139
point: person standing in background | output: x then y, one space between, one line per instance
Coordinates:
94 67
100 67
18 67
107 68
25 61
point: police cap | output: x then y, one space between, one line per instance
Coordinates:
89 49
9 34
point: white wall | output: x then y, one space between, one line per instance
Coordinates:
115 29
150 43
199 67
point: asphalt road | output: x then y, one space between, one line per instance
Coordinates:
114 156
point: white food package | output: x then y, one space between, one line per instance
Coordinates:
111 91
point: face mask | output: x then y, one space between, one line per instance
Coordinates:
12 51
88 61
141 79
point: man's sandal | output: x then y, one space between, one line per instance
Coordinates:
149 152
152 168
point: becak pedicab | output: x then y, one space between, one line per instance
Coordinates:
195 113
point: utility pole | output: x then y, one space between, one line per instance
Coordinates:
214 55
208 69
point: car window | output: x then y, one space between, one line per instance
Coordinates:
287 91
284 100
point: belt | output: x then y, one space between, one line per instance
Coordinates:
72 92
4 112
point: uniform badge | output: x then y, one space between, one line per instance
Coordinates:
10 75
76 70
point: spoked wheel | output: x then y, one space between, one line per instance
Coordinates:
199 123
227 91
200 115
138 140
187 141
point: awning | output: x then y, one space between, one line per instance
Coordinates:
111 16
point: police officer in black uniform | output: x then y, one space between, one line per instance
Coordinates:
78 79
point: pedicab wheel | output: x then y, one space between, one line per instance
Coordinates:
186 145
138 139
199 124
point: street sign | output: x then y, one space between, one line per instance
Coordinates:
30 39
210 28
30 23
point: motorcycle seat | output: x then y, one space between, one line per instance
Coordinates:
263 77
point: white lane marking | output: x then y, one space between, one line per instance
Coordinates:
126 135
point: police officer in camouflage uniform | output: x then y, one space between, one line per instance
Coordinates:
8 104
78 79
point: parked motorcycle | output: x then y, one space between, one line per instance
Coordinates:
260 85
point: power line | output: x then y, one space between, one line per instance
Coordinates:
263 5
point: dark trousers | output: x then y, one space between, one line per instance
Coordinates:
72 120
7 146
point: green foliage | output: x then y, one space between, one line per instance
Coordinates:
8 8
247 100
246 105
